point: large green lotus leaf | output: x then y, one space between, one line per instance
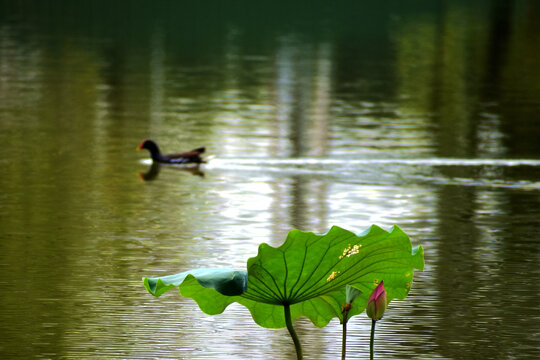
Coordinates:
309 272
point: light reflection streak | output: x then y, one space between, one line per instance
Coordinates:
489 204
220 162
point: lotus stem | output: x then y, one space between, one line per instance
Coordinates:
372 339
296 341
344 336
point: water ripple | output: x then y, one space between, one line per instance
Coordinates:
227 162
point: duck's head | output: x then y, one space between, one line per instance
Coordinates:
149 145
152 147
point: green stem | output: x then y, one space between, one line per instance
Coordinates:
344 336
372 339
292 332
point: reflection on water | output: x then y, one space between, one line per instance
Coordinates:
491 173
420 115
155 167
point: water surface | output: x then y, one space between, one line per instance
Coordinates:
424 115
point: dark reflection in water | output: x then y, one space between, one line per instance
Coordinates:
481 237
423 115
152 173
154 169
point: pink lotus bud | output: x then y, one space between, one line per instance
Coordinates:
376 303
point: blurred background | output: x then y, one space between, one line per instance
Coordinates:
423 114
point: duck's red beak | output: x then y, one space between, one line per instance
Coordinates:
140 146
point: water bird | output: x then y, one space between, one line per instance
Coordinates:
189 157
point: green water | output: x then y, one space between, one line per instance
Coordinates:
424 115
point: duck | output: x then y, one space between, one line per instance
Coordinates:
189 157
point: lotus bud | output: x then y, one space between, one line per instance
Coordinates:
376 303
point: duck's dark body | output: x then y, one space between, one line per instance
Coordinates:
193 156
